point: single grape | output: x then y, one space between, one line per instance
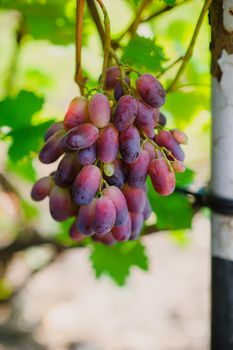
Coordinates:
179 136
165 139
52 149
99 110
42 188
162 177
119 202
108 144
178 166
137 172
145 119
147 209
122 233
125 113
67 170
60 204
118 89
107 239
150 150
75 234
86 184
130 144
85 218
119 176
53 129
87 155
136 225
162 119
135 198
105 216
77 113
81 136
112 76
151 90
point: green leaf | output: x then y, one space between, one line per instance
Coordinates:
185 179
26 140
144 54
30 211
117 261
23 168
16 112
170 2
173 212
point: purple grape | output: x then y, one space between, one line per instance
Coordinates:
122 233
118 89
165 139
119 177
77 113
151 90
42 188
162 177
179 136
145 119
130 144
162 119
85 218
135 198
67 170
178 166
87 155
81 136
52 149
147 209
99 110
60 204
137 172
150 150
126 111
112 76
119 203
136 225
75 234
53 129
107 239
105 216
108 144
86 184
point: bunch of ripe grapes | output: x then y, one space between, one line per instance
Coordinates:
109 142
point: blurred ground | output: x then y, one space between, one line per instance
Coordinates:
165 309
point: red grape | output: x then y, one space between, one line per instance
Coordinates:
112 76
165 139
150 149
75 234
67 170
136 225
42 188
53 129
126 111
119 203
147 209
122 233
87 155
179 136
77 113
81 136
99 110
86 184
119 177
52 149
105 216
60 204
108 144
85 218
178 166
162 177
118 89
145 119
137 172
107 239
130 144
135 198
151 90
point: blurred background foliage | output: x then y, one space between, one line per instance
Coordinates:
37 70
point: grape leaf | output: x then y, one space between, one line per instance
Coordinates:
16 112
185 179
173 212
117 261
26 140
144 54
170 2
23 168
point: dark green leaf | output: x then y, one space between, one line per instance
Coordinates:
117 261
143 53
173 212
170 2
16 112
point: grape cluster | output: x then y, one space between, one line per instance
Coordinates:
110 141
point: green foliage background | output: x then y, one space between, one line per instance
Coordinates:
37 84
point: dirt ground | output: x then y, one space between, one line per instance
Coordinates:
66 308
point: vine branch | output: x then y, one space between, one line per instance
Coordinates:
79 79
189 52
95 15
